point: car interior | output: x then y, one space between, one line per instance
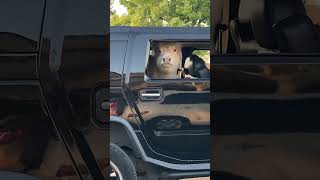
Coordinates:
272 26
256 27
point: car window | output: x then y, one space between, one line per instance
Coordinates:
117 55
272 30
178 60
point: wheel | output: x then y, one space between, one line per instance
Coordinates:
121 166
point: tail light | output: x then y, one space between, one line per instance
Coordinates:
100 106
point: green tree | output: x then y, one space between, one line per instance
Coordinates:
163 13
112 12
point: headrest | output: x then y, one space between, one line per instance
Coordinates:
268 13
200 67
248 9
261 27
297 34
196 67
279 10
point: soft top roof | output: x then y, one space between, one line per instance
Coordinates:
160 30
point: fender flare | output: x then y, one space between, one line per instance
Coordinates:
137 144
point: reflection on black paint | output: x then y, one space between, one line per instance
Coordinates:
265 119
47 86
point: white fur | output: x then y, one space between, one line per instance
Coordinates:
168 57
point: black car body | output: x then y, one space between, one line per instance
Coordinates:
266 90
53 56
159 123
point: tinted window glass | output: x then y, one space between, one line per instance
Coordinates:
117 55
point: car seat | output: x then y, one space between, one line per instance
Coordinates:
286 27
241 31
197 67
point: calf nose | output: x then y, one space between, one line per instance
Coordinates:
166 60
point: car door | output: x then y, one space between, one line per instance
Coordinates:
266 121
72 67
20 38
29 142
265 111
173 115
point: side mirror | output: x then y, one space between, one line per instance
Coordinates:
100 104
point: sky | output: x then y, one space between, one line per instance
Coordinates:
120 9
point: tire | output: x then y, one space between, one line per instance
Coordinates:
121 164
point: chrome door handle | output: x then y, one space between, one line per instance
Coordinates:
150 94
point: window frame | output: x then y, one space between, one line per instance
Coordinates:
184 80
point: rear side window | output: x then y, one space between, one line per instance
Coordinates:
117 56
20 25
174 59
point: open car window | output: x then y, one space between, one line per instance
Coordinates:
178 60
271 27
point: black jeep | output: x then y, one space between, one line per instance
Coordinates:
159 127
53 65
266 86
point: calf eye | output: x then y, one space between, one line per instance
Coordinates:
174 50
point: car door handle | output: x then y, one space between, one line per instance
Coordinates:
151 94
